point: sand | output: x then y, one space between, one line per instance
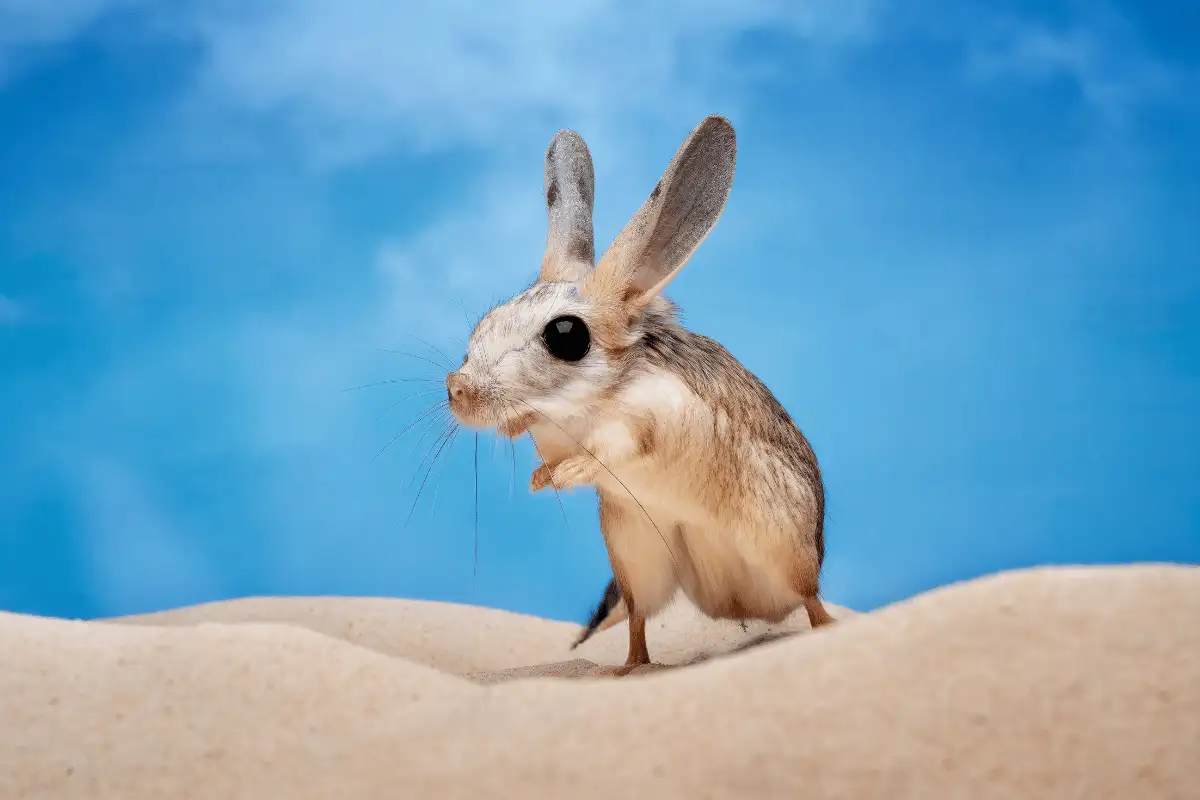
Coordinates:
1079 682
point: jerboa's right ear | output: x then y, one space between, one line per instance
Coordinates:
671 224
570 188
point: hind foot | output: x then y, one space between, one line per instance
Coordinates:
627 669
817 615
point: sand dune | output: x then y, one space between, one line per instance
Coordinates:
482 643
1043 683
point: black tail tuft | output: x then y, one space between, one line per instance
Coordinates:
612 596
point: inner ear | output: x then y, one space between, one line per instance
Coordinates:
678 215
569 184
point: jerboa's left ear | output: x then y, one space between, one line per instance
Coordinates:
678 215
570 188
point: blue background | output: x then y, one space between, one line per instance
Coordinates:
960 247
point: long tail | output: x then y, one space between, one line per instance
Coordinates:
609 612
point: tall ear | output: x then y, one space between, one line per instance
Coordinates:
570 190
671 224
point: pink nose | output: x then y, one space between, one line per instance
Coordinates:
456 386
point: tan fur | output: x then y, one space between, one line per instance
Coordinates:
704 482
513 428
617 523
645 439
553 268
609 320
817 615
607 284
639 654
734 555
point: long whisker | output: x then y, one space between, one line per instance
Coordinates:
421 393
609 471
445 439
446 430
557 494
449 362
437 481
512 473
411 355
389 382
466 314
429 453
432 424
439 407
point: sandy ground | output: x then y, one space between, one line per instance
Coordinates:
1081 683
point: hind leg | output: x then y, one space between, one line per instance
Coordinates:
806 582
817 615
642 567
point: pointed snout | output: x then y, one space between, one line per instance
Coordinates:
463 397
469 406
457 386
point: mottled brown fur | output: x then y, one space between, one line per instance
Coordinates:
657 342
641 336
734 502
730 389
645 439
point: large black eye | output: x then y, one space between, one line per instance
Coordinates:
567 338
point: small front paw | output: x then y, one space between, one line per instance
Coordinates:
540 478
574 471
566 474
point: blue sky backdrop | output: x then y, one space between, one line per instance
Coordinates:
961 247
